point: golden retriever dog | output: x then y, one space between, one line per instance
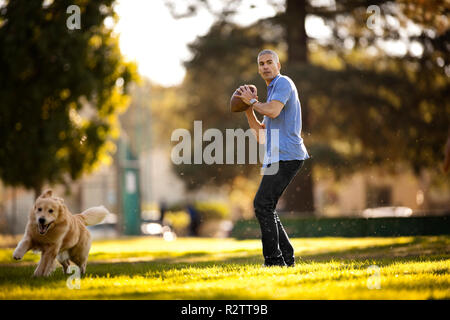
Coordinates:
59 234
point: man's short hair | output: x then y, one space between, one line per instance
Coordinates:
268 51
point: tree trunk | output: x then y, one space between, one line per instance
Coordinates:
37 190
296 37
299 195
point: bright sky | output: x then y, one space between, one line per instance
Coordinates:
158 43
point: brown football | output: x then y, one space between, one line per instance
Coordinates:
236 103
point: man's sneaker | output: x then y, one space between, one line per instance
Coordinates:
290 265
274 265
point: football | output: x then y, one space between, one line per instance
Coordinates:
236 103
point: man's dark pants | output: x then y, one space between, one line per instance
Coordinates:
277 248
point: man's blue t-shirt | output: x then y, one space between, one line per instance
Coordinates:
290 144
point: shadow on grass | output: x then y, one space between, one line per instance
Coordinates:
418 250
417 246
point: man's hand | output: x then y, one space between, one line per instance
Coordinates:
246 94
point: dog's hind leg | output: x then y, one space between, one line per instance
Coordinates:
63 259
65 264
83 267
79 254
80 259
81 263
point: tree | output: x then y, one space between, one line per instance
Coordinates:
60 91
361 105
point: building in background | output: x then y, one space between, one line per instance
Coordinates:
377 188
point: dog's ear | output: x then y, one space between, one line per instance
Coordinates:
46 194
61 204
60 200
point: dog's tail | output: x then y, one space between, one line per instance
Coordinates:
94 215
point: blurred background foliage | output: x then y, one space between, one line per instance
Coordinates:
61 91
64 93
362 105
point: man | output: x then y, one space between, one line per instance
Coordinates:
282 112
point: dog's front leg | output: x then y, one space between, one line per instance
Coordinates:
22 248
47 261
40 267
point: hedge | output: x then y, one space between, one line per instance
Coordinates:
349 227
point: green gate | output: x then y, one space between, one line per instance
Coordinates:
130 197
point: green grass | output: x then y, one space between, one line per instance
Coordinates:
189 268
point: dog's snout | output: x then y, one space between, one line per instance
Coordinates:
41 220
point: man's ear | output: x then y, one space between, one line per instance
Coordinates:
279 65
46 194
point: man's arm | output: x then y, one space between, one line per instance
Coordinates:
256 126
271 109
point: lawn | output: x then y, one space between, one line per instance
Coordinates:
204 268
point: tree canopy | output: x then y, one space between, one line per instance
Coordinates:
363 103
60 90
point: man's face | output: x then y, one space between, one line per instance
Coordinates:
268 67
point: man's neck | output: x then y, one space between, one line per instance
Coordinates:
269 81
